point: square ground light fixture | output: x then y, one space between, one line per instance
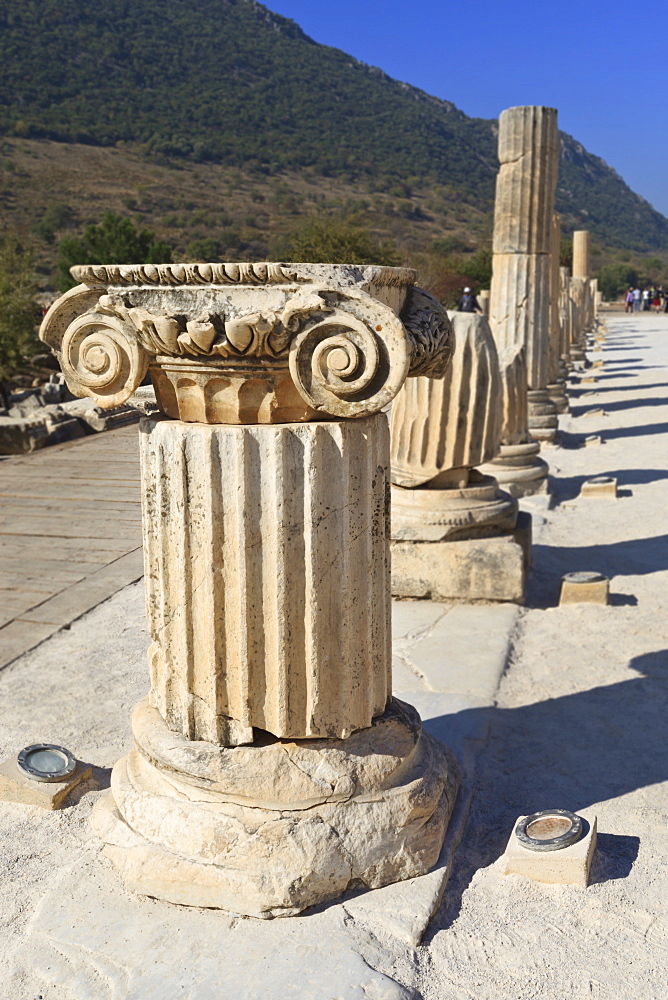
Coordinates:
584 587
600 486
42 774
555 846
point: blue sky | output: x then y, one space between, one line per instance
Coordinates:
603 65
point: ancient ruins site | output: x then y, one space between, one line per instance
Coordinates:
332 649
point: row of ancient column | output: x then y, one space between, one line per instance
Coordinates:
272 768
456 535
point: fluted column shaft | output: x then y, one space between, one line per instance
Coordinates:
520 290
454 422
554 340
252 625
565 311
581 253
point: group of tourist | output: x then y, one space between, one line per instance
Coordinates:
655 298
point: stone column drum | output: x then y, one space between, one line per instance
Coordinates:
565 319
271 766
523 210
518 466
580 293
519 296
454 533
581 245
557 371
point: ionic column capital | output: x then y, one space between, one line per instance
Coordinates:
248 343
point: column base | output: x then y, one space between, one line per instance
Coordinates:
477 510
542 415
557 393
270 829
519 470
459 544
578 358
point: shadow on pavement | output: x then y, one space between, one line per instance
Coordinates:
569 752
635 557
640 431
622 404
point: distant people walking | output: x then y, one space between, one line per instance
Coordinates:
645 300
468 303
628 301
636 300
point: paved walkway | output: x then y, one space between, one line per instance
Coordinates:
579 720
70 534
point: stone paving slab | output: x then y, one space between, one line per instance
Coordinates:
70 532
100 943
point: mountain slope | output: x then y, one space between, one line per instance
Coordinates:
228 81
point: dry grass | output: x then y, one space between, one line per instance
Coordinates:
183 201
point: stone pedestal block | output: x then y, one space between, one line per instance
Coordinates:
15 786
266 830
600 486
584 587
475 570
567 866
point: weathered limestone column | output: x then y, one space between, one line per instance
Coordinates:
580 293
483 299
565 318
519 296
581 245
517 467
454 533
557 372
271 765
595 304
520 292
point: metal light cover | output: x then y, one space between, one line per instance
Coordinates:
549 830
583 576
46 762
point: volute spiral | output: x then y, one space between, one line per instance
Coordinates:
352 361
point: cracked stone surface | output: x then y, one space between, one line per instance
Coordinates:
266 830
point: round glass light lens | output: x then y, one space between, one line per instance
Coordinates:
46 762
583 576
550 830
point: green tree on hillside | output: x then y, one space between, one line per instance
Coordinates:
614 279
18 310
566 253
330 241
115 241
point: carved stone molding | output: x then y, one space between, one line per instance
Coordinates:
248 343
